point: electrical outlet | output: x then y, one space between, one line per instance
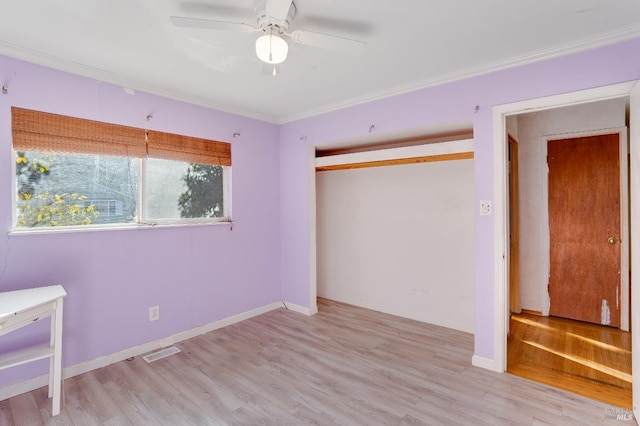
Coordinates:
154 313
485 207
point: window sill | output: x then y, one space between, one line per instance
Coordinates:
117 227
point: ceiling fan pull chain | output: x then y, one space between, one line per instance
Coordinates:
270 50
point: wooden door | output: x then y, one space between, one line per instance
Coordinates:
584 227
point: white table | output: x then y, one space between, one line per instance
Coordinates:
23 307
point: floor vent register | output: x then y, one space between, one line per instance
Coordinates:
161 354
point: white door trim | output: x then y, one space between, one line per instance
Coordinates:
313 286
634 238
501 282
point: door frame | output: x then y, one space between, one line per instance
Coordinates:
501 230
514 224
624 218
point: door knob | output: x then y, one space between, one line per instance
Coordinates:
612 240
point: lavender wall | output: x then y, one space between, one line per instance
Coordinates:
432 106
195 274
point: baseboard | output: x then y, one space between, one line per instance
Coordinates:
28 385
300 309
25 386
313 310
530 312
486 363
422 317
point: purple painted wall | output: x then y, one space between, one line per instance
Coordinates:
446 103
195 274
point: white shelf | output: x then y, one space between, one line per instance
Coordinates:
24 356
23 307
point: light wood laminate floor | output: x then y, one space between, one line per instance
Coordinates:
590 359
343 366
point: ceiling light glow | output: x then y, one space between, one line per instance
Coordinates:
271 49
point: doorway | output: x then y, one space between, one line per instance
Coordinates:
502 232
546 201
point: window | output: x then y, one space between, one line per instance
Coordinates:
74 172
56 189
198 189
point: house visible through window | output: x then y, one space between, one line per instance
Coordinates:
74 172
105 207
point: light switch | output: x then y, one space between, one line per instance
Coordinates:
485 207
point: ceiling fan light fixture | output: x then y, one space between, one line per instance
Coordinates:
271 49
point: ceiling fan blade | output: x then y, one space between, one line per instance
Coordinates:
202 8
343 45
209 24
278 9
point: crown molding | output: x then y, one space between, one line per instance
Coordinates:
51 61
577 46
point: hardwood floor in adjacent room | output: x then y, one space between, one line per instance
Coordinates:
588 359
343 366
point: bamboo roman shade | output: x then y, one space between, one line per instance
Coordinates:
42 131
184 148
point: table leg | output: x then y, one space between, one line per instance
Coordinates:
55 372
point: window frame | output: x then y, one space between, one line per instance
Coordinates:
140 218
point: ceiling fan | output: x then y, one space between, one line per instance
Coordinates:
273 18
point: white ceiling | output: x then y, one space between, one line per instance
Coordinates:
410 44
